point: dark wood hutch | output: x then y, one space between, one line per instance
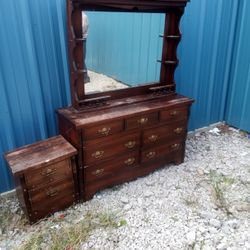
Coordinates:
124 134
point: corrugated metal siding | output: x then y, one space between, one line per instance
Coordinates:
33 73
34 70
205 52
238 102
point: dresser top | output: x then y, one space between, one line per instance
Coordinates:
43 152
87 118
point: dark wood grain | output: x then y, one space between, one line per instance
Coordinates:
39 154
45 176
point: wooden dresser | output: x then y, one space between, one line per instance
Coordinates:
120 144
126 133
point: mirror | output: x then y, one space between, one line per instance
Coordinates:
121 49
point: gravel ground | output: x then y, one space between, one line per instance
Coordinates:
101 83
203 203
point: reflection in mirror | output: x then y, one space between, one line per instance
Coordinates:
121 49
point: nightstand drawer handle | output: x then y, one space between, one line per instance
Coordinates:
98 172
130 161
104 131
174 113
52 192
143 121
175 146
47 172
178 130
98 154
153 138
130 144
151 155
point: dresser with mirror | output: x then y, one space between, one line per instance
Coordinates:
123 131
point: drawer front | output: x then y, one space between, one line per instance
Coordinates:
51 206
142 121
174 114
117 145
160 151
51 192
103 130
49 174
158 134
110 168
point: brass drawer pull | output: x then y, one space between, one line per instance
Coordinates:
47 172
178 130
52 192
98 154
151 155
130 161
174 113
143 120
153 138
104 131
175 146
98 172
130 144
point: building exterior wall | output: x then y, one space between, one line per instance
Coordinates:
34 75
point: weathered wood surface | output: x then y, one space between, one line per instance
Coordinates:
39 154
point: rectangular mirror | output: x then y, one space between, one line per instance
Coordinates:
121 49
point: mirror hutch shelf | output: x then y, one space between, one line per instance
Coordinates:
123 134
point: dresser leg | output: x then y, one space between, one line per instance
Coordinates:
88 197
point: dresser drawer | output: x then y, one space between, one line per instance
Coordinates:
49 174
174 114
157 134
109 168
141 121
103 130
49 193
98 150
160 151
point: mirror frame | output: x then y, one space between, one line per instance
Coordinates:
173 10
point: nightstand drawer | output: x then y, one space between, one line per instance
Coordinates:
51 192
103 130
174 114
141 121
48 174
109 168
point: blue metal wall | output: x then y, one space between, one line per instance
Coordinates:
33 73
238 102
34 70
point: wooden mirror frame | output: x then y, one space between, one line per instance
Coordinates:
173 10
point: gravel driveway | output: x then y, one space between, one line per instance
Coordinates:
203 203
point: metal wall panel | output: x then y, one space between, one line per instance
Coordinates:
33 73
238 102
34 70
205 52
